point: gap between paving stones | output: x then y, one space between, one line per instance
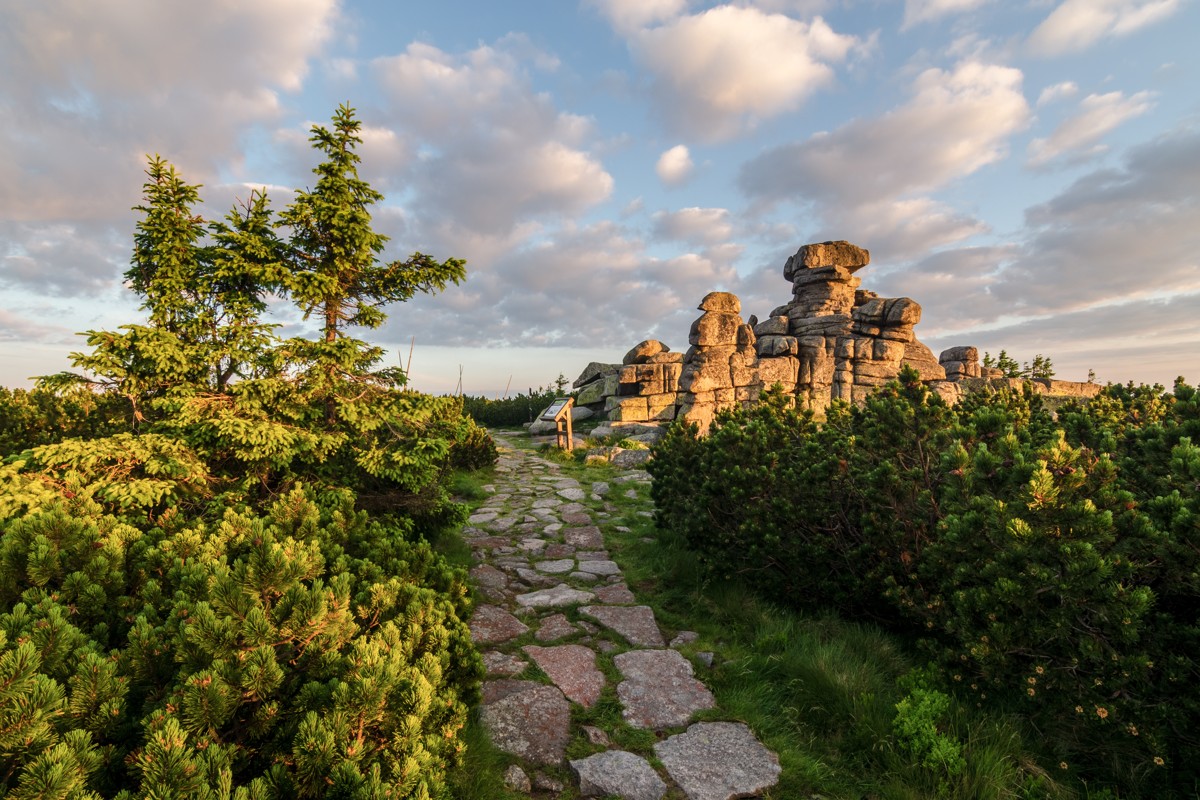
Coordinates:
561 633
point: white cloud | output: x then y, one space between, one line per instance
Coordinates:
721 71
899 229
703 226
628 16
674 165
1056 92
495 152
1076 137
956 123
918 11
1077 24
1109 262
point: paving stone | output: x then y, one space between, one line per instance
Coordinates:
596 735
618 773
534 578
501 524
556 566
488 576
532 545
555 626
516 779
684 637
553 527
526 719
584 577
631 494
559 550
586 538
574 493
573 508
576 518
544 783
635 623
560 595
592 555
494 625
718 761
659 690
614 593
600 488
547 502
497 663
599 567
572 668
480 517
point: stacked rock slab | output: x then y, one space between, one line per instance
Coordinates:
845 342
643 388
720 369
647 384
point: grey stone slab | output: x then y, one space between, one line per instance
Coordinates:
572 668
635 623
617 593
659 690
556 566
574 493
494 625
718 761
488 576
599 567
555 626
526 719
560 595
497 663
587 537
620 774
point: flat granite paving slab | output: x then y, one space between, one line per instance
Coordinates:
718 761
659 690
572 668
560 595
494 625
618 773
527 719
635 623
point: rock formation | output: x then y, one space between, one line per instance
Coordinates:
832 341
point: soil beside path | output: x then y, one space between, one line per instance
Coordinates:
582 687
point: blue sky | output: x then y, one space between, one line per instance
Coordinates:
1028 171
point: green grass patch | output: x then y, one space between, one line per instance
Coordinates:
824 694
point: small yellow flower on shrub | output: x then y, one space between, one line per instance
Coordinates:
1133 731
1078 709
1158 761
1039 670
1062 765
1032 681
1101 712
1031 691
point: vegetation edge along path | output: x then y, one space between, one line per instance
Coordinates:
583 688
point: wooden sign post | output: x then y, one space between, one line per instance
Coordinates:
559 413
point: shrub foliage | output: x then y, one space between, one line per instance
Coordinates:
1051 567
216 577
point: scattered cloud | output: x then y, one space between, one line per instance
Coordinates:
1077 24
1077 137
918 11
700 226
674 165
720 72
629 16
495 153
1056 92
956 123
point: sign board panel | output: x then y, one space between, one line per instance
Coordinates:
556 409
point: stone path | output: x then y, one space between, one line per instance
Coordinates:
555 617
